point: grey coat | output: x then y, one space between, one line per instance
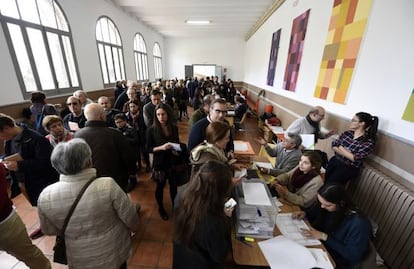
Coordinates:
98 233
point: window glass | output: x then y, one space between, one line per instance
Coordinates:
9 8
45 9
22 57
41 59
110 51
28 11
60 19
58 62
70 61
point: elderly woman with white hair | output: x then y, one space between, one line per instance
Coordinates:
98 233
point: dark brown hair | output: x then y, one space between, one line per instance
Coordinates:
216 131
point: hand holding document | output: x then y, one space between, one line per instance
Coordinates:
175 146
291 228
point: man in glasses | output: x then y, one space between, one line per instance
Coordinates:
75 119
217 112
311 124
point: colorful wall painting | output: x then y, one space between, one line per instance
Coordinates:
273 57
409 110
297 40
346 29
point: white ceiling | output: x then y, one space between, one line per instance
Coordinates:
234 18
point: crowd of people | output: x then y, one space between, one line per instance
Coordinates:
52 159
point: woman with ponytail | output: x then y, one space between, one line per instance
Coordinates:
352 147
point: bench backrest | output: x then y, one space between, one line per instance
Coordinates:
391 206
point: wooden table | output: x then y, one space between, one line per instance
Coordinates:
276 130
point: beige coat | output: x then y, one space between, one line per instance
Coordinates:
304 196
98 233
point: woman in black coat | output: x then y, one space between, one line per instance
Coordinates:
160 138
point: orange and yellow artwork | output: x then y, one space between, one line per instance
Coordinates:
409 110
346 29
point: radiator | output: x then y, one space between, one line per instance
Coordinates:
391 206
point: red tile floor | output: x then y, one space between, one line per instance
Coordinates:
152 244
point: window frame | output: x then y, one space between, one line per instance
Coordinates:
157 62
44 30
119 48
142 74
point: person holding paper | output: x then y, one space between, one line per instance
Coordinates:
343 229
202 228
311 124
160 137
28 160
218 135
75 120
351 148
287 154
301 184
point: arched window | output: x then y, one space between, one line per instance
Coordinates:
157 61
40 43
110 51
141 58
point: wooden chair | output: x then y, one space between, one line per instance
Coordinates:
240 124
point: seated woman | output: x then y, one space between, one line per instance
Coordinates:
344 231
202 224
351 148
217 137
301 184
101 223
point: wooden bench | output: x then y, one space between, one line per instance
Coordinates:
391 206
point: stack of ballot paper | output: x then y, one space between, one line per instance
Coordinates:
290 228
283 253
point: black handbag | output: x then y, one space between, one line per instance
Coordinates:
59 255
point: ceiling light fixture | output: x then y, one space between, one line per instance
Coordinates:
197 22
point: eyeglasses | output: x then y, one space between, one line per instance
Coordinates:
70 104
218 111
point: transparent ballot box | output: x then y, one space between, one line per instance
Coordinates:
255 211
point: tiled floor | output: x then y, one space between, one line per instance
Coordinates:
152 246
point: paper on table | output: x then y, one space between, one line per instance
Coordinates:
280 252
240 146
175 146
321 257
240 173
308 141
264 165
255 194
291 229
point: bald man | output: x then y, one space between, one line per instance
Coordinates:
111 153
311 124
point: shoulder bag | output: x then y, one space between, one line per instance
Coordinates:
59 255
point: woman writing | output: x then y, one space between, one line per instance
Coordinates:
341 227
351 148
202 224
160 137
301 184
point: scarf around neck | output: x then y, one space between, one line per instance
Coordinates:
315 125
299 178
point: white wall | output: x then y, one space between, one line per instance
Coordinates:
383 77
82 17
227 52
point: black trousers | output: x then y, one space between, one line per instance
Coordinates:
338 171
159 191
